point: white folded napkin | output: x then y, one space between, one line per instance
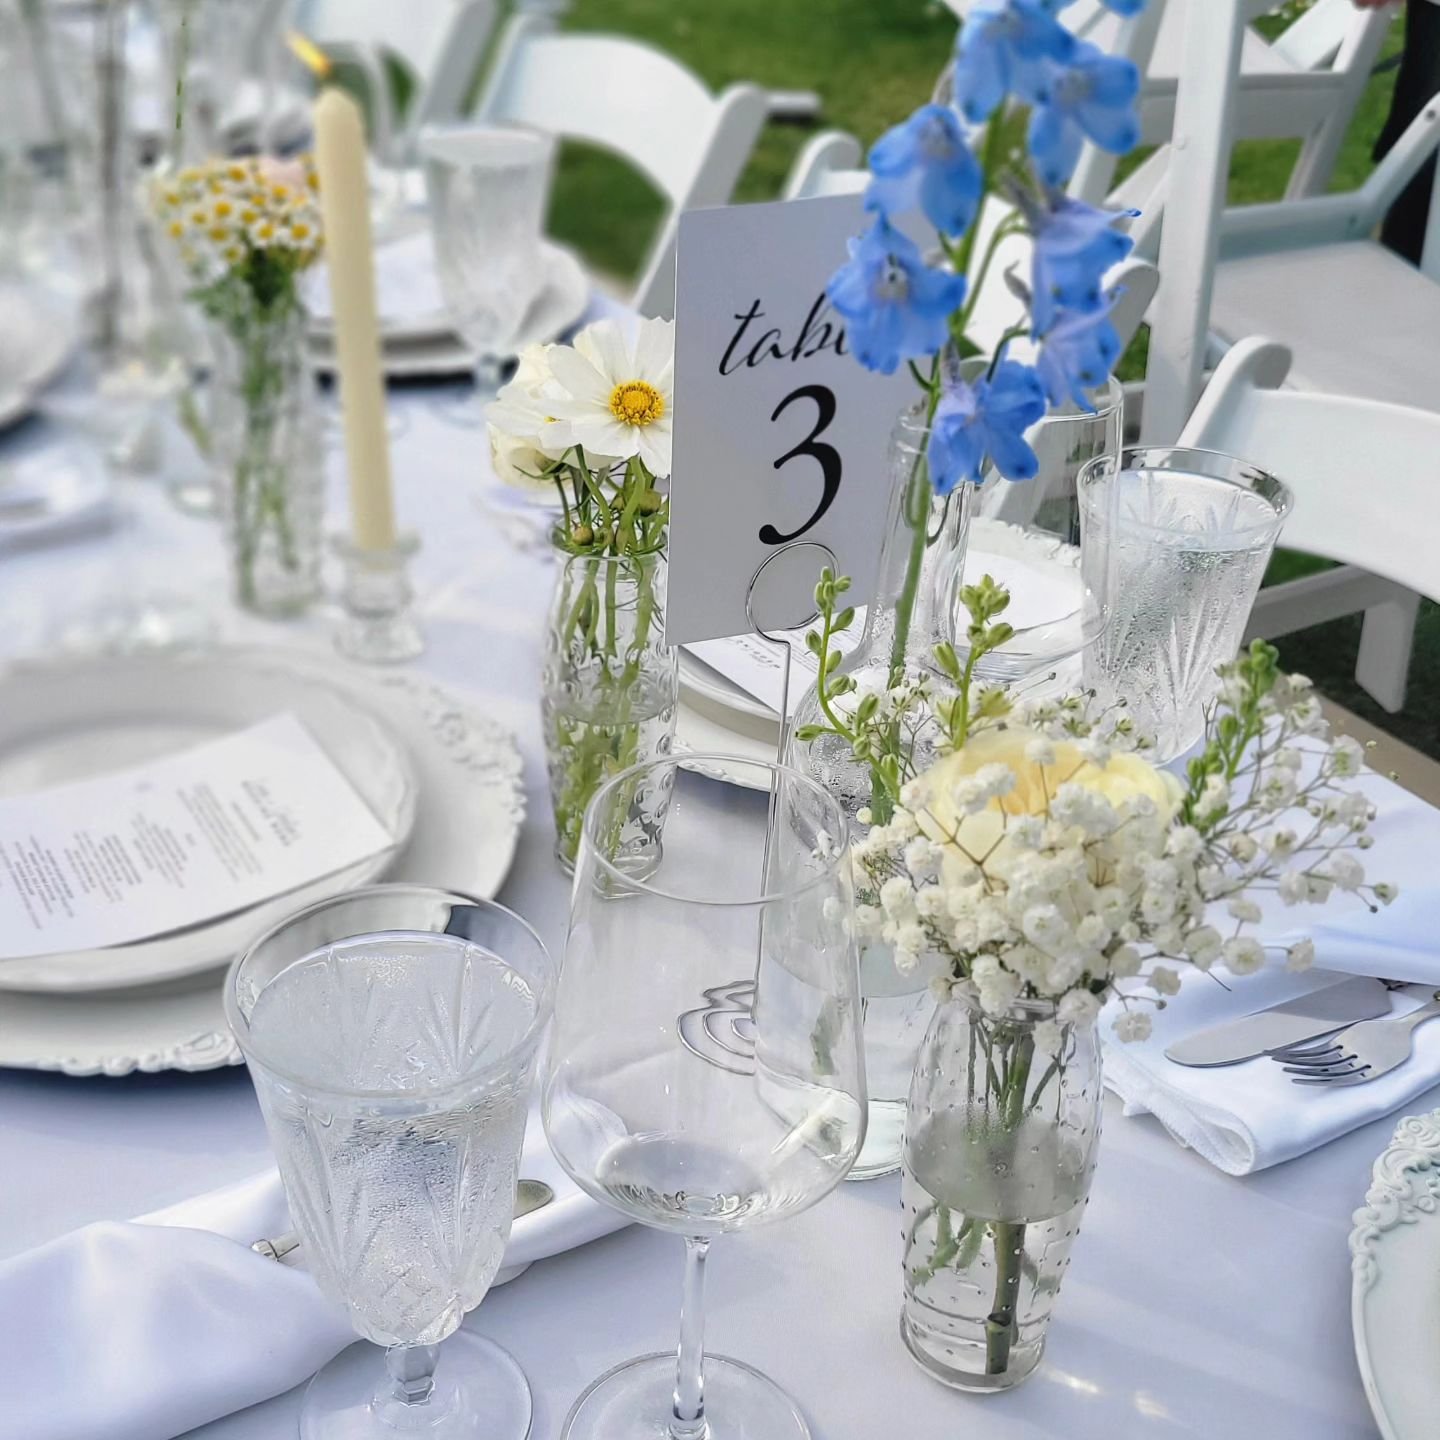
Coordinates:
1249 1116
143 1330
1245 1117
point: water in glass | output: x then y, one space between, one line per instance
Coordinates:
403 1197
1186 537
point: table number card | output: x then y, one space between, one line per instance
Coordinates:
781 436
180 840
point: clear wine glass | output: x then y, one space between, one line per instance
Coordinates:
391 1036
487 189
705 1071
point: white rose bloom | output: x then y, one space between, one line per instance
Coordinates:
1131 1027
1244 955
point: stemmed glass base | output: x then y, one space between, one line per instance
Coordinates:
636 1401
465 409
479 1390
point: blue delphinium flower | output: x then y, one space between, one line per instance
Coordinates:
1075 244
925 164
1091 97
1120 7
1002 50
986 419
1078 355
894 305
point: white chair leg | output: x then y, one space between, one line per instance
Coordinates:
1383 665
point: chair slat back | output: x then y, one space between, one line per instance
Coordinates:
1365 474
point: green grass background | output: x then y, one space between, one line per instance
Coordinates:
872 62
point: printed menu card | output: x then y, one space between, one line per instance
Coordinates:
177 841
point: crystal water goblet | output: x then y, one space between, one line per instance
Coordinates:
1182 539
487 190
391 1036
705 1073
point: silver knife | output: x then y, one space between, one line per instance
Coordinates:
1307 1017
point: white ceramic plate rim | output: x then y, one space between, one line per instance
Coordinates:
202 948
1404 1192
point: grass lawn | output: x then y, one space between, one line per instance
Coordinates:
872 62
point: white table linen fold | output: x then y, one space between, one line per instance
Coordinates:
142 1330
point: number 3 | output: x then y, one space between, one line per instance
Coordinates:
826 456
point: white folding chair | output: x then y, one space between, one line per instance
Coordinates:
1306 83
1365 476
637 102
1358 319
441 43
829 165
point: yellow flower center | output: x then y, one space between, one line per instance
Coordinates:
636 402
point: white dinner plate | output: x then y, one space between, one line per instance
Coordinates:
709 684
470 809
422 341
703 728
1395 1282
38 334
68 720
52 492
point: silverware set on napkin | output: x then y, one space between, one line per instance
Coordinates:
1341 1035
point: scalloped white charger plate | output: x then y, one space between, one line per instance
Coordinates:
470 806
1395 1285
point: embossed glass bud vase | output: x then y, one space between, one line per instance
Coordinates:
1000 1145
269 458
915 602
611 687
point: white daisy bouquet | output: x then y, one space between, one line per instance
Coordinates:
590 424
245 231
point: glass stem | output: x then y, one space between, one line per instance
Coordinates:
489 376
688 1420
412 1369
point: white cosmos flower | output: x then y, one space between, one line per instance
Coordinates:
617 397
522 411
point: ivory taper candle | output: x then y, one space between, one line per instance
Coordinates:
350 260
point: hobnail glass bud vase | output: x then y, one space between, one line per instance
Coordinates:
913 609
611 687
1000 1144
267 450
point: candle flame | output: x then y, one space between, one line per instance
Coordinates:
309 54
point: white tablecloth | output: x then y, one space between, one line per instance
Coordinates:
1196 1304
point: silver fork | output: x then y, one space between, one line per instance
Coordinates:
1361 1053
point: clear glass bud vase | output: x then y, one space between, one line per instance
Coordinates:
610 690
913 609
268 454
1000 1144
